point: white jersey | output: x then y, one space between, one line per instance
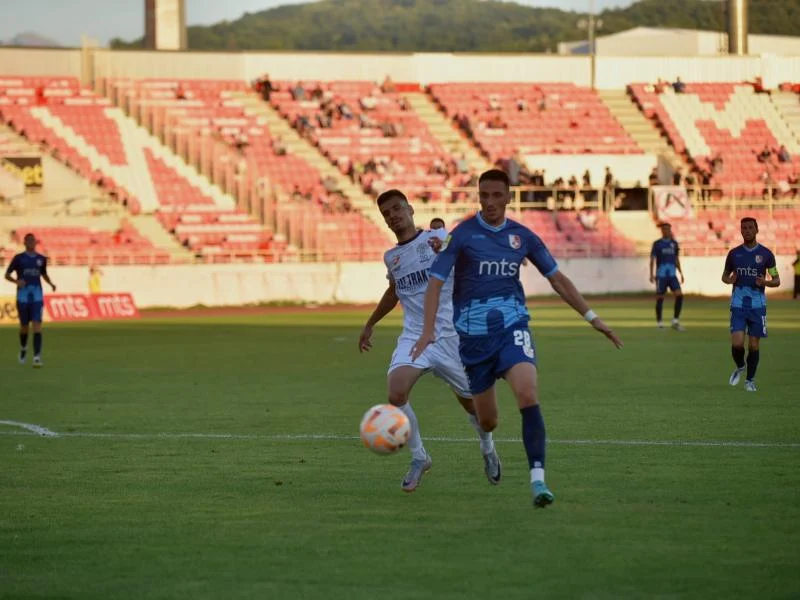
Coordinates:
407 264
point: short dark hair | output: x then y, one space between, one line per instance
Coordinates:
437 220
28 235
494 175
749 220
665 224
389 194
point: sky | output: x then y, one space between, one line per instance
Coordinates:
65 20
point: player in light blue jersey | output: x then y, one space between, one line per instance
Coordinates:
746 268
491 317
26 271
665 265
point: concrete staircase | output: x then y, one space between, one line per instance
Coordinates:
788 107
297 145
643 131
154 231
444 131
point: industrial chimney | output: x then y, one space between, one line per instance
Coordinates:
737 27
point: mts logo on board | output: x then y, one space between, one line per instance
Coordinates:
68 307
115 306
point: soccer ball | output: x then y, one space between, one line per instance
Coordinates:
385 429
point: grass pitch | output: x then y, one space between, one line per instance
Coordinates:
186 466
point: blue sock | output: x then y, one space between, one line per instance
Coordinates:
752 364
659 309
37 344
533 437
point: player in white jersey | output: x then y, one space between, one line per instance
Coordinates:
407 267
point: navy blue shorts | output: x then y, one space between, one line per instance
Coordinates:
30 311
753 321
664 283
486 359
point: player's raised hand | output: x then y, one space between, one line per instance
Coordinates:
425 340
436 244
365 339
608 332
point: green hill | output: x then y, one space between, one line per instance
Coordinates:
459 25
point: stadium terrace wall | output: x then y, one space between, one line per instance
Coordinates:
611 72
326 283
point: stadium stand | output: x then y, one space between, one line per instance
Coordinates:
211 113
546 118
108 148
370 133
84 246
723 129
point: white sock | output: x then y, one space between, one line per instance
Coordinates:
415 440
487 442
537 474
675 320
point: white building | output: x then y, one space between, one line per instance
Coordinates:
653 41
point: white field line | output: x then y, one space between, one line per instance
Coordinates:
30 429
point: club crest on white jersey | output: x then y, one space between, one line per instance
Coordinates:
408 265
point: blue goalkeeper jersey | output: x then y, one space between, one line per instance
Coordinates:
749 263
486 261
666 253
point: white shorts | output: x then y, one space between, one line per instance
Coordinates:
441 358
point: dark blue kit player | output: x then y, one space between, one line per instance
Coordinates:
490 315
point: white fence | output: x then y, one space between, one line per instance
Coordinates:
182 286
611 72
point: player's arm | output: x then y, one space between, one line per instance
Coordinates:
439 272
46 277
432 297
385 305
653 264
772 271
564 287
541 258
678 261
19 281
729 273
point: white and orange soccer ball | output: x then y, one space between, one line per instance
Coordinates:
385 429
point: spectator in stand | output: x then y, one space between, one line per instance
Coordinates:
608 181
331 185
522 104
496 123
717 163
297 194
588 220
462 166
388 86
279 146
344 111
513 168
180 93
653 177
95 280
369 102
494 103
766 179
679 87
298 93
587 179
264 87
793 180
765 155
542 105
317 93
660 86
677 177
437 223
783 155
241 142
